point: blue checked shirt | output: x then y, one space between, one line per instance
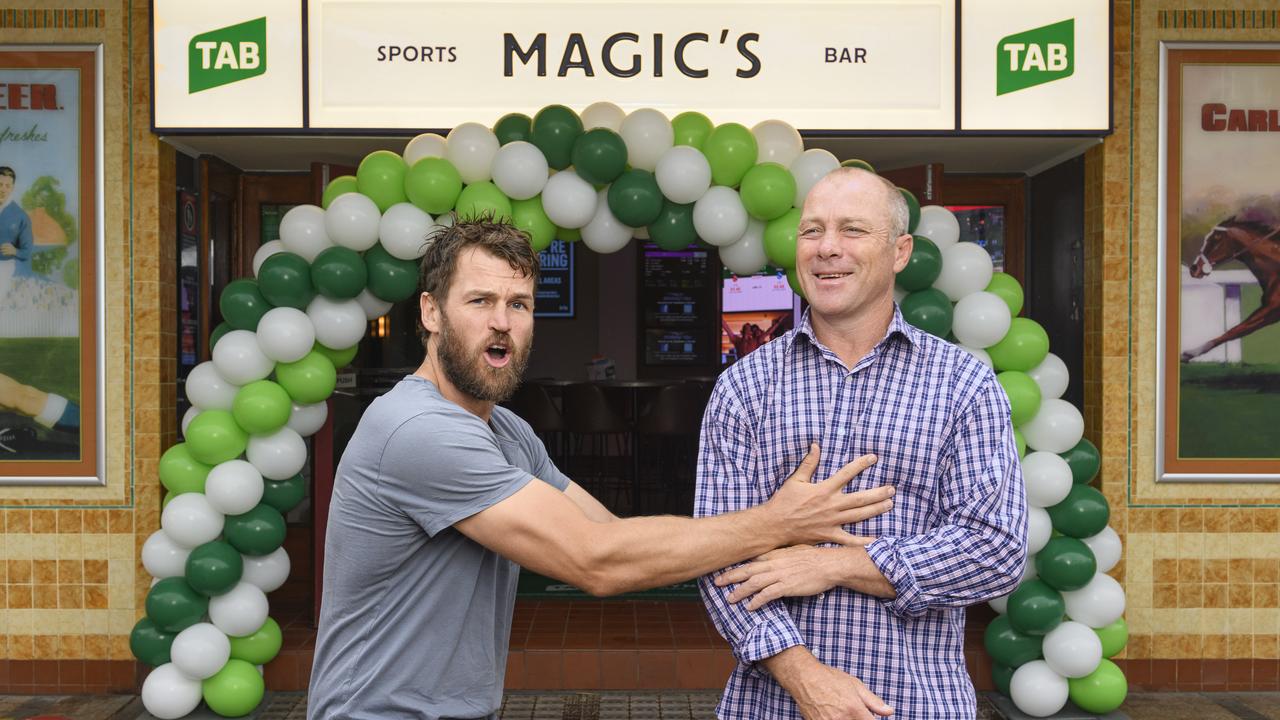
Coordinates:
939 423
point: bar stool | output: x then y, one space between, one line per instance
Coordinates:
667 444
600 436
533 403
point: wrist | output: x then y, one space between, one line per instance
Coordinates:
769 525
790 667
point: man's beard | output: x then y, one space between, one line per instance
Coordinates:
480 380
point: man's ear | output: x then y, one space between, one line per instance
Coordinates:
430 312
902 251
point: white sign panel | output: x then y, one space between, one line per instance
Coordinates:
1042 65
848 65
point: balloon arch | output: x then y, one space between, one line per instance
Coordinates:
603 177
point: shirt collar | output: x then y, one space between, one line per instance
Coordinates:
898 326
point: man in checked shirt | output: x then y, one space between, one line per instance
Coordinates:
875 628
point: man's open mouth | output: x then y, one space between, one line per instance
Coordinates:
497 355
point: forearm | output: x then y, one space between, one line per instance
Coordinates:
789 666
857 572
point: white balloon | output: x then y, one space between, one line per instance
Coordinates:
471 148
683 174
302 231
1072 649
1051 375
306 420
168 694
983 356
374 306
162 557
719 217
403 231
746 256
1097 604
442 221
966 269
520 170
605 233
338 323
777 142
939 225
648 134
240 611
279 455
187 417
809 168
568 200
234 487
266 572
352 221
207 389
1037 690
1039 530
190 520
603 114
1056 427
981 319
285 334
1048 479
424 146
1000 604
899 294
1106 547
200 651
266 250
1029 571
239 359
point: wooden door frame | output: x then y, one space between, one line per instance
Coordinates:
265 188
1009 191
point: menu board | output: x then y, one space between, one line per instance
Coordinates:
678 305
554 296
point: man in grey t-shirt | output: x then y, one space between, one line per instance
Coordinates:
440 494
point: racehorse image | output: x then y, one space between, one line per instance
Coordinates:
1255 244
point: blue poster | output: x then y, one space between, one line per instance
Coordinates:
554 296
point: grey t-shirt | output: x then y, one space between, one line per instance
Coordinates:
416 617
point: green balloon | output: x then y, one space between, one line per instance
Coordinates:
1004 286
599 156
529 216
242 304
1084 513
860 164
1000 676
794 282
731 149
1114 637
929 310
433 185
214 437
673 230
285 281
691 128
1021 442
634 198
555 129
181 473
1022 348
222 329
338 273
381 177
261 407
339 358
173 605
258 532
780 239
1023 392
235 690
923 267
1066 564
259 648
768 189
1101 691
150 643
1084 461
569 234
284 495
390 278
483 200
340 185
512 127
1009 647
214 568
913 209
1035 608
309 380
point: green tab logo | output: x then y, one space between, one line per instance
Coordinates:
227 55
1035 57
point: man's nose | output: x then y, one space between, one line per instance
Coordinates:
500 318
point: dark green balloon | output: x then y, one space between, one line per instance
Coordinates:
390 278
554 130
1084 461
923 267
173 605
512 127
1082 514
599 156
929 310
1001 675
257 532
673 230
149 643
1009 647
913 209
242 304
218 332
634 198
285 281
1035 608
339 273
284 495
214 568
1066 564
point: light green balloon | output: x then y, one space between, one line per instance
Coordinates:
1021 442
214 437
381 177
691 128
180 472
768 190
1022 348
1006 287
780 239
1114 637
261 407
339 358
433 184
308 380
259 648
1101 691
1023 393
731 150
340 185
529 216
482 200
235 690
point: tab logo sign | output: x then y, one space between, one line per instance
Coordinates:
227 55
1035 57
